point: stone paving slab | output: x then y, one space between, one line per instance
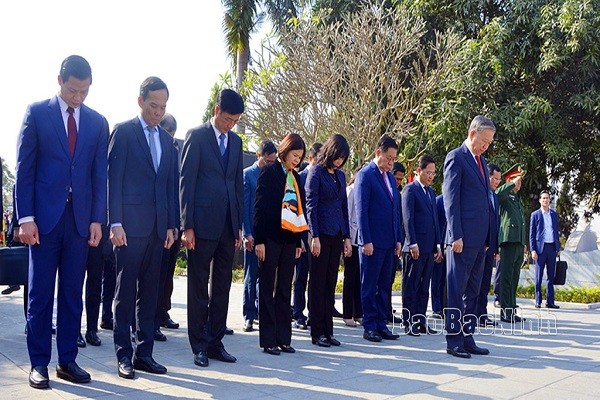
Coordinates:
552 355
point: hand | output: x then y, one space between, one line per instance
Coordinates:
367 249
347 248
457 246
438 256
28 232
414 252
315 247
303 247
238 240
189 239
398 251
534 255
118 236
259 249
95 234
249 242
298 252
170 238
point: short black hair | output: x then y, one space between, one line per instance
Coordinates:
545 191
77 67
151 84
493 168
398 167
267 147
386 142
169 124
230 102
335 147
425 160
314 150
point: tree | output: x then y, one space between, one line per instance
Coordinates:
8 181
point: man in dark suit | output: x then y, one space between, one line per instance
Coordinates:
212 202
545 247
467 206
421 248
380 237
266 155
142 219
438 276
491 254
61 204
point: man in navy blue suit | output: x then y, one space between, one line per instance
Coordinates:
266 155
438 276
379 235
468 213
545 247
61 204
142 218
491 254
422 246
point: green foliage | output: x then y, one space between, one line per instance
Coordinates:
572 294
8 181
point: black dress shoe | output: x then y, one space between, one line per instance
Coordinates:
149 365
221 354
159 336
169 323
108 325
387 334
126 368
372 336
477 350
38 377
73 373
458 352
552 306
395 320
92 338
10 289
333 341
228 331
321 341
286 348
538 306
515 319
483 322
80 341
201 359
336 313
272 350
412 330
248 326
301 324
425 330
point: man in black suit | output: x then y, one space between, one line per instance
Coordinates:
142 222
212 201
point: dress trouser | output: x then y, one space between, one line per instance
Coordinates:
416 288
482 299
351 287
250 299
375 276
301 283
546 260
511 259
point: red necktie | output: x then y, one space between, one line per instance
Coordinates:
480 165
71 130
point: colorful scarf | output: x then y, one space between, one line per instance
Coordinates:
292 215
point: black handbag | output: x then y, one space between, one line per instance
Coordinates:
560 272
14 265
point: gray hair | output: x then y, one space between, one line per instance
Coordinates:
480 123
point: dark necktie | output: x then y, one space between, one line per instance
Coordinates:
480 165
153 150
222 143
71 131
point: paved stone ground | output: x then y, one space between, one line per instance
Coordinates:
550 358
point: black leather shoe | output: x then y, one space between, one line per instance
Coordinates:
248 326
108 325
301 324
538 306
334 342
412 330
221 354
92 338
477 350
321 341
38 377
395 320
336 313
80 341
425 330
169 323
159 336
387 334
483 322
149 365
228 331
272 350
514 320
201 359
458 352
372 336
73 373
552 306
286 348
10 289
126 368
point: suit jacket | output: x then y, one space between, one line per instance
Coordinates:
352 217
270 189
494 224
536 231
46 172
466 200
441 213
250 178
419 214
138 197
326 203
378 210
208 190
512 219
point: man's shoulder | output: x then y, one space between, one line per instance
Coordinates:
127 125
251 170
92 113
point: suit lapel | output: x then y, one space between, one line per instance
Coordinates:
425 197
141 139
59 125
233 155
166 144
472 163
383 184
83 130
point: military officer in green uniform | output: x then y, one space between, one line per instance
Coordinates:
513 240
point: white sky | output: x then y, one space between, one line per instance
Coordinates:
180 41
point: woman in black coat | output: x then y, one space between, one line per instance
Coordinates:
278 221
